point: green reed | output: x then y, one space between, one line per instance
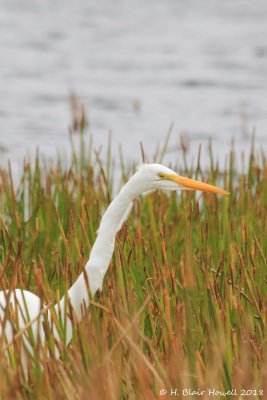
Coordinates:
184 300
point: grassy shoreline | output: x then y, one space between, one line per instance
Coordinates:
184 302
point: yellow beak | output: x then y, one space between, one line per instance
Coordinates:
192 184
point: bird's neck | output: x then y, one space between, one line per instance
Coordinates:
101 252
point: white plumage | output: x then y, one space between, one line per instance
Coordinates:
27 306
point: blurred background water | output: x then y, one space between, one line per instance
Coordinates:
137 67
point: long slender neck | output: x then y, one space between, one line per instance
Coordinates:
102 251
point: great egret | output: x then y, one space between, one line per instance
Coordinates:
28 306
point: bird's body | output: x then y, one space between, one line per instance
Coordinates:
21 298
30 309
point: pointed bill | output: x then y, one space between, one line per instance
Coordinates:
192 184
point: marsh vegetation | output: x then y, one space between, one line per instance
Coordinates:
184 301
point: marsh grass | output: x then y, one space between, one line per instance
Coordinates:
184 300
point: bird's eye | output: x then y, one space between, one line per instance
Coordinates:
160 175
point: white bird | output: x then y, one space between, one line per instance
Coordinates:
29 309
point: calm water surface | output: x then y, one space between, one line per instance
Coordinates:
137 66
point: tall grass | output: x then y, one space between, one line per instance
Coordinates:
184 300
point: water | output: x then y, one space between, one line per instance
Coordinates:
137 66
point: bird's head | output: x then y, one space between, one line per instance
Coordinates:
157 176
